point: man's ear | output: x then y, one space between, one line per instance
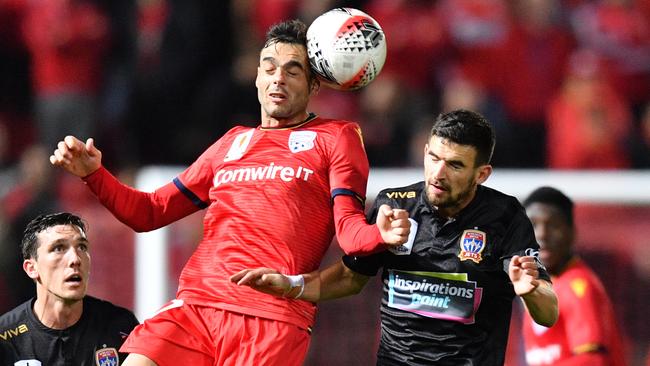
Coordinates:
30 267
315 86
483 173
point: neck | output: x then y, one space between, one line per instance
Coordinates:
271 122
57 313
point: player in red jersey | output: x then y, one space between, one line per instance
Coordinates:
586 332
275 194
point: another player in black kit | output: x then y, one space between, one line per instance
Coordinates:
61 325
448 291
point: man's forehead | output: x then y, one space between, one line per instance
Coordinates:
64 230
437 143
282 51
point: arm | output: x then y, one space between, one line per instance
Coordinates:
537 294
142 211
357 237
333 282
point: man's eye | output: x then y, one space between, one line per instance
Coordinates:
83 247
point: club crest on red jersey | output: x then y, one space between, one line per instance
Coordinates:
301 141
472 243
107 357
239 146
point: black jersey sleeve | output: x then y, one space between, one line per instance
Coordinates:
520 240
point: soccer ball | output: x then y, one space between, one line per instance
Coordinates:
346 48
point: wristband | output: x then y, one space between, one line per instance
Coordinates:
296 281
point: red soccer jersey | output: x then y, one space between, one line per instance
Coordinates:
269 195
586 322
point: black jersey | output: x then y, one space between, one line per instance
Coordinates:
94 340
447 295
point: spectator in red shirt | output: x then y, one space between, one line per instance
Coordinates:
68 40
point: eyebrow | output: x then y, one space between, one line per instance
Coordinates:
452 162
289 64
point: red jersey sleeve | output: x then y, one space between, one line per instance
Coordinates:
348 177
195 182
142 211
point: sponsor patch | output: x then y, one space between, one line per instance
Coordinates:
447 296
239 146
405 249
107 357
301 141
472 243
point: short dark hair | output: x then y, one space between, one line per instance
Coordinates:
29 244
291 31
553 197
465 127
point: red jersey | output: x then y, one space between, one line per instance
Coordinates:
269 194
586 323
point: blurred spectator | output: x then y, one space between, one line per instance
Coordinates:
478 30
186 92
386 116
416 41
460 92
68 40
529 70
587 121
619 32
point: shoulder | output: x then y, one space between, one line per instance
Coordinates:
333 125
105 309
15 316
499 204
580 280
403 197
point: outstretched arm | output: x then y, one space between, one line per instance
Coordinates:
142 211
333 282
537 294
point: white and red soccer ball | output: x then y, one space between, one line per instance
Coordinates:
346 48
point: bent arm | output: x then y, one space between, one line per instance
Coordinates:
142 211
541 303
357 237
334 282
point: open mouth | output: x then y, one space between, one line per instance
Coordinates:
75 278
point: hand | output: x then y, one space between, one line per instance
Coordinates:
265 280
523 274
76 157
394 225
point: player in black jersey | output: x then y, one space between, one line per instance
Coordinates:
61 326
448 291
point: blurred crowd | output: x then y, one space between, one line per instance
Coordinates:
565 82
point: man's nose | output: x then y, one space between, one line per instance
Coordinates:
279 76
74 259
438 170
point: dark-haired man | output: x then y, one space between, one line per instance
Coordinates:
275 195
586 332
61 326
448 291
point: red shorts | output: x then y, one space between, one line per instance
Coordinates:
185 334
